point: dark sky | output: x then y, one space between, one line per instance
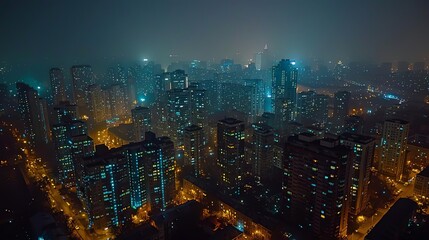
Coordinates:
65 32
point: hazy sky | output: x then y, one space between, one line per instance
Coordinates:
64 32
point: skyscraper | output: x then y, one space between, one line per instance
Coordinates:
179 110
198 105
33 115
184 108
284 83
160 167
82 146
178 80
107 189
315 185
194 148
82 78
230 141
360 172
117 101
62 134
321 108
341 109
354 124
58 90
136 155
393 147
142 120
305 107
64 111
262 150
98 106
263 60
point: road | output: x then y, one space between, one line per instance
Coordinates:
35 169
78 220
407 191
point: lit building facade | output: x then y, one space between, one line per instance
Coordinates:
230 143
33 114
107 191
194 148
315 185
360 172
82 146
160 168
142 120
341 109
58 89
284 84
393 148
82 78
262 150
62 135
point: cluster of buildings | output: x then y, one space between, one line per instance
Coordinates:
305 141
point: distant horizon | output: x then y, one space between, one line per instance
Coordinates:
38 74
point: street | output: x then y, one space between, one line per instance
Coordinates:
370 222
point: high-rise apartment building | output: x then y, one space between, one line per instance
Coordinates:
99 110
33 114
62 134
194 148
142 120
179 110
262 150
106 190
58 89
160 169
64 112
341 109
184 108
316 185
230 143
284 84
82 78
393 148
360 172
82 147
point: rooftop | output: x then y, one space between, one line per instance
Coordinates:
397 120
230 121
362 139
193 128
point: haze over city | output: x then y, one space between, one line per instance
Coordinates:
220 120
44 33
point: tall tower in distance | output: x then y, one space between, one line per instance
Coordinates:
194 148
262 151
58 90
230 140
142 120
284 84
341 109
82 78
33 115
393 147
360 172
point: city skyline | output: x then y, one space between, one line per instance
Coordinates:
62 34
228 120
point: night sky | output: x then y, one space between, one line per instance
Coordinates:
61 33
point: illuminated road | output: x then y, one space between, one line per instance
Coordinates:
369 223
36 170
